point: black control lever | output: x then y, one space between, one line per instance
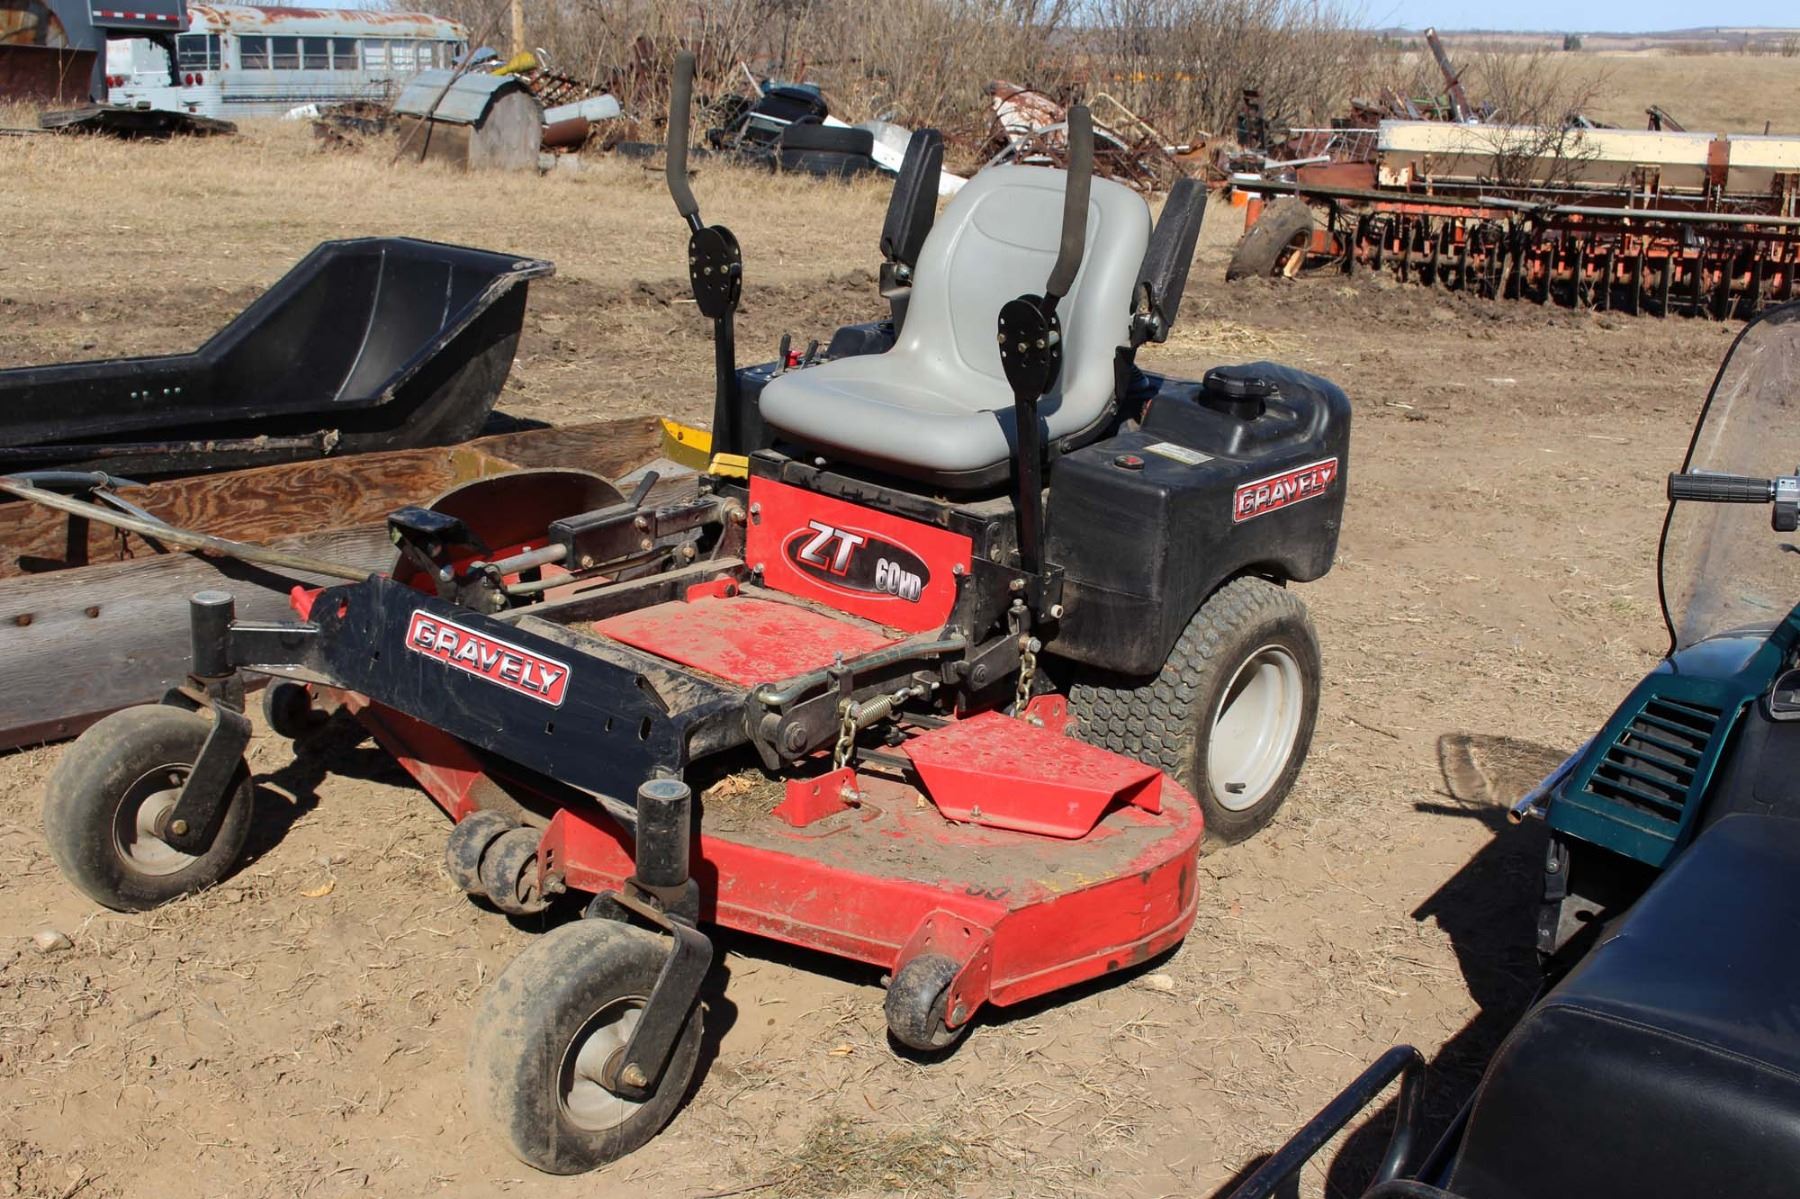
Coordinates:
715 265
1030 337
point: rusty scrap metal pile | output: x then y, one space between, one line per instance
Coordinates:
1660 221
1030 127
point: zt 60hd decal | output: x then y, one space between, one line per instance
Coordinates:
878 565
857 561
487 657
1279 491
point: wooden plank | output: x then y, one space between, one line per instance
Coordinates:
260 504
610 448
71 654
78 643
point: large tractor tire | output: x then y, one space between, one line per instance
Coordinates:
1268 249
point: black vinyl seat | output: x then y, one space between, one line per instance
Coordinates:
1667 1064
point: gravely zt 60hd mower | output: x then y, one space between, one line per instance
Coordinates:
988 627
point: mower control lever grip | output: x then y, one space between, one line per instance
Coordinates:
1075 204
1721 489
681 103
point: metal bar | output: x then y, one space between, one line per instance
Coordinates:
318 443
1283 188
780 697
192 823
186 539
1642 214
1402 1062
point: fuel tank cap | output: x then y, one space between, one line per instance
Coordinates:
1238 391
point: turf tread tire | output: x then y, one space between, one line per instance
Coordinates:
1260 252
1159 720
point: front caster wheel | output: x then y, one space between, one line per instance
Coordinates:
469 843
545 1034
917 1004
509 873
108 796
289 711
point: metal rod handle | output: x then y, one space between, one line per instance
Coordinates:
186 538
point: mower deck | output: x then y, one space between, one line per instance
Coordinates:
884 877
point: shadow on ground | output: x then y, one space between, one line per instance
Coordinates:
1488 910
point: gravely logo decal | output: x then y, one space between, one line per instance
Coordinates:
1288 487
494 660
856 561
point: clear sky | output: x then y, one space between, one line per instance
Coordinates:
1624 16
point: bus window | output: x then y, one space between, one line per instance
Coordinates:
253 53
197 51
374 52
315 54
343 53
284 53
400 56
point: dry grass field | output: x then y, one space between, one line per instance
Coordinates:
1711 93
300 1030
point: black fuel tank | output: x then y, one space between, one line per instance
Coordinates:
1244 473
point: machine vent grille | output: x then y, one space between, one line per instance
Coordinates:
1652 764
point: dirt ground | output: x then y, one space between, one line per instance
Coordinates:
300 1030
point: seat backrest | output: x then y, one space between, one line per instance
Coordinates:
997 240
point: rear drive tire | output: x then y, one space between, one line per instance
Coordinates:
110 791
546 1028
1230 715
1267 246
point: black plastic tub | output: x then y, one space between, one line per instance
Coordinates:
367 344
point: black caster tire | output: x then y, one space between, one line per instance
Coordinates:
545 1029
288 709
1284 228
508 873
917 1003
108 791
1230 715
468 844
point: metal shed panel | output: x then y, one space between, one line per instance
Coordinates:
465 103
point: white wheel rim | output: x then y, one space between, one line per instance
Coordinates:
584 1096
140 814
1254 729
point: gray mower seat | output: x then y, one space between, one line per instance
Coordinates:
937 406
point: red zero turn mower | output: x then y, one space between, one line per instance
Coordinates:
941 666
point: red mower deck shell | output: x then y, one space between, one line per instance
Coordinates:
1005 773
888 877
